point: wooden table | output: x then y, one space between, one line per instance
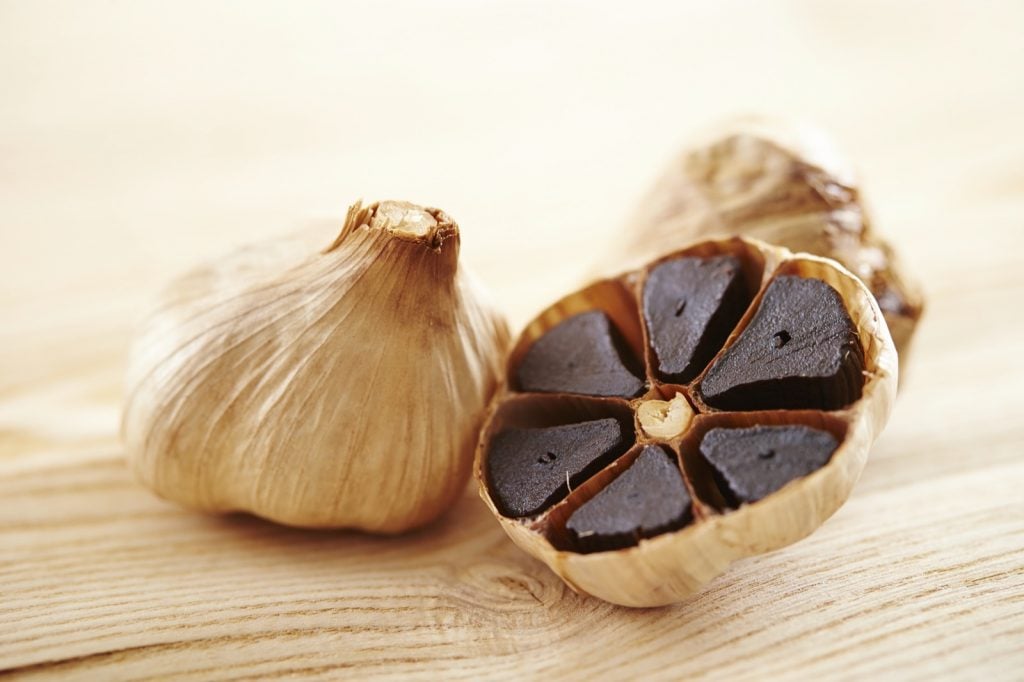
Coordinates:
137 138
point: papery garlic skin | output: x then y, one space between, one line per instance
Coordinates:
336 389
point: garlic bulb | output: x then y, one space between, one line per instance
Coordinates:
341 388
762 379
785 185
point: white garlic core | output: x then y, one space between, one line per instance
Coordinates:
403 218
665 419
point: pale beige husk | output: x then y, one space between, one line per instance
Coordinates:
670 567
781 183
335 385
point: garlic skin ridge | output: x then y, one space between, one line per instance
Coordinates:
336 389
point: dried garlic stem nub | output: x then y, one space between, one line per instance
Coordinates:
403 218
665 419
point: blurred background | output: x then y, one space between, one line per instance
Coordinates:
139 137
136 137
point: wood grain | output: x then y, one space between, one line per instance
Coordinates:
137 138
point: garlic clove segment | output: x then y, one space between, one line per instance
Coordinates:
335 388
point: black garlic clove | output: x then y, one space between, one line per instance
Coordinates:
801 350
751 463
583 354
646 499
529 470
690 307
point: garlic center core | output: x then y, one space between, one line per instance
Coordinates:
665 419
403 218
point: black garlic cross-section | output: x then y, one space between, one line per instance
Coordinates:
647 499
751 463
529 469
690 307
801 350
584 354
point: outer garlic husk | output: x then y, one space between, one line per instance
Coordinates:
341 388
786 185
672 566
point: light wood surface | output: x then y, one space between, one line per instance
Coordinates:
137 138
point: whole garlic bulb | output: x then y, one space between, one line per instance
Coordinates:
784 184
341 388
